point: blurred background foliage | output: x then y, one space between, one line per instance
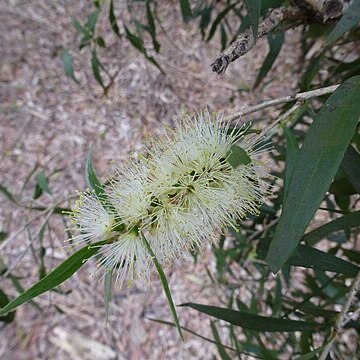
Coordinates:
316 168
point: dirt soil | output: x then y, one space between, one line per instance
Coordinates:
48 122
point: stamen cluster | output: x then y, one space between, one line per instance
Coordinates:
181 192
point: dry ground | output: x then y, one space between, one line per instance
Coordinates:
49 122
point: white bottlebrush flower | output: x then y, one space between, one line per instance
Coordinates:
185 190
127 257
124 253
94 222
129 193
196 191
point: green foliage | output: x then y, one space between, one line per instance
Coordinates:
68 65
316 165
4 300
317 168
55 277
238 156
254 8
275 43
165 286
254 322
348 21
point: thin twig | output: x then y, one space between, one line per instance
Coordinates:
341 317
327 9
286 99
246 41
280 119
38 216
14 263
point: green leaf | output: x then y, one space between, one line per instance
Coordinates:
107 291
269 4
347 221
185 10
4 300
67 62
112 20
351 166
205 19
135 40
254 322
275 43
94 184
254 8
164 284
138 44
101 42
349 20
219 345
96 66
8 194
223 37
151 27
55 277
292 151
43 183
218 20
78 27
309 257
91 178
342 187
150 18
311 355
315 167
92 20
238 156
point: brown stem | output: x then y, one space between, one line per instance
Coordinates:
245 41
327 9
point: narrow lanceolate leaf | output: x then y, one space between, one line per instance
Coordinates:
4 300
55 277
221 349
218 20
94 184
254 8
275 43
67 62
351 166
91 178
185 10
96 67
92 20
112 20
137 42
43 183
254 322
7 193
107 291
349 20
315 167
311 355
151 28
346 222
292 151
165 285
309 257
